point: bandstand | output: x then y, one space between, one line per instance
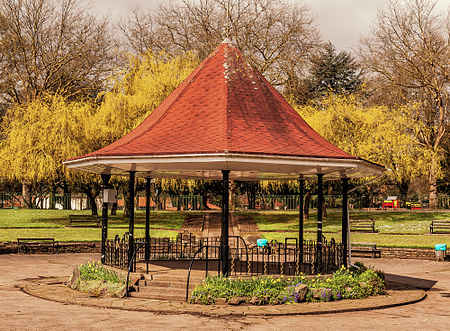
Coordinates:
225 122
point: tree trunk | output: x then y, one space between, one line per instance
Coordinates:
26 197
324 209
92 202
307 203
331 198
232 195
67 198
251 200
126 204
433 182
160 204
205 199
251 196
403 188
114 209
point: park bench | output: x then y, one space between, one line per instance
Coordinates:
85 220
363 226
439 226
24 243
366 248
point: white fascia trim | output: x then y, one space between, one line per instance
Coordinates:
206 158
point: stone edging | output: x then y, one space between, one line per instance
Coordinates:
54 289
59 248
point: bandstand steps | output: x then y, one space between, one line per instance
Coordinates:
175 278
158 295
157 283
164 287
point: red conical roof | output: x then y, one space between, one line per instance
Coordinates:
225 116
224 106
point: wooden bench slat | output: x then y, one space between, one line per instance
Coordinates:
365 248
362 225
439 225
33 241
84 220
22 239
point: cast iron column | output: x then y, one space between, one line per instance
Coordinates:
225 212
105 184
345 219
147 218
319 221
300 221
131 219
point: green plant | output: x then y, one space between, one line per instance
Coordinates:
346 283
96 271
98 280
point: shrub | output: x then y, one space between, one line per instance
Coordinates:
96 271
346 283
98 280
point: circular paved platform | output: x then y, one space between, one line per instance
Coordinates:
54 289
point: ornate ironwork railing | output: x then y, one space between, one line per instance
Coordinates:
275 258
116 251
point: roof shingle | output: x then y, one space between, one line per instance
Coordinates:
224 106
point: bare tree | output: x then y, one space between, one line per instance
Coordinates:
277 37
49 46
408 54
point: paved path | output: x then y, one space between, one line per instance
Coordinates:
20 311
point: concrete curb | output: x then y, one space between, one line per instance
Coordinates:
54 289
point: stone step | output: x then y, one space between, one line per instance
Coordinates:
168 284
160 293
158 296
176 278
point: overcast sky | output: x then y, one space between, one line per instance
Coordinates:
342 22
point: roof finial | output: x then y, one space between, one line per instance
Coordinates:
227 28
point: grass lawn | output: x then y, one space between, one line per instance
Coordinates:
15 223
385 221
77 234
38 218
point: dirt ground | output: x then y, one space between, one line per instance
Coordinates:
20 311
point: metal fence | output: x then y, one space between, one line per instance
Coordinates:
10 200
79 201
244 259
195 202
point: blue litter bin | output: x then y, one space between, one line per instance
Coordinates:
262 242
440 251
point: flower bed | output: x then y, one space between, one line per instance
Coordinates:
346 283
94 278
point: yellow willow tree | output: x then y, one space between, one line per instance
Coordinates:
39 136
137 89
376 133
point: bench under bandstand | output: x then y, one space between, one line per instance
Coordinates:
225 122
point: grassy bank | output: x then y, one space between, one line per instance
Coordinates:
413 226
37 218
385 221
77 234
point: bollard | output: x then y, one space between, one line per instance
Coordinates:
440 251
